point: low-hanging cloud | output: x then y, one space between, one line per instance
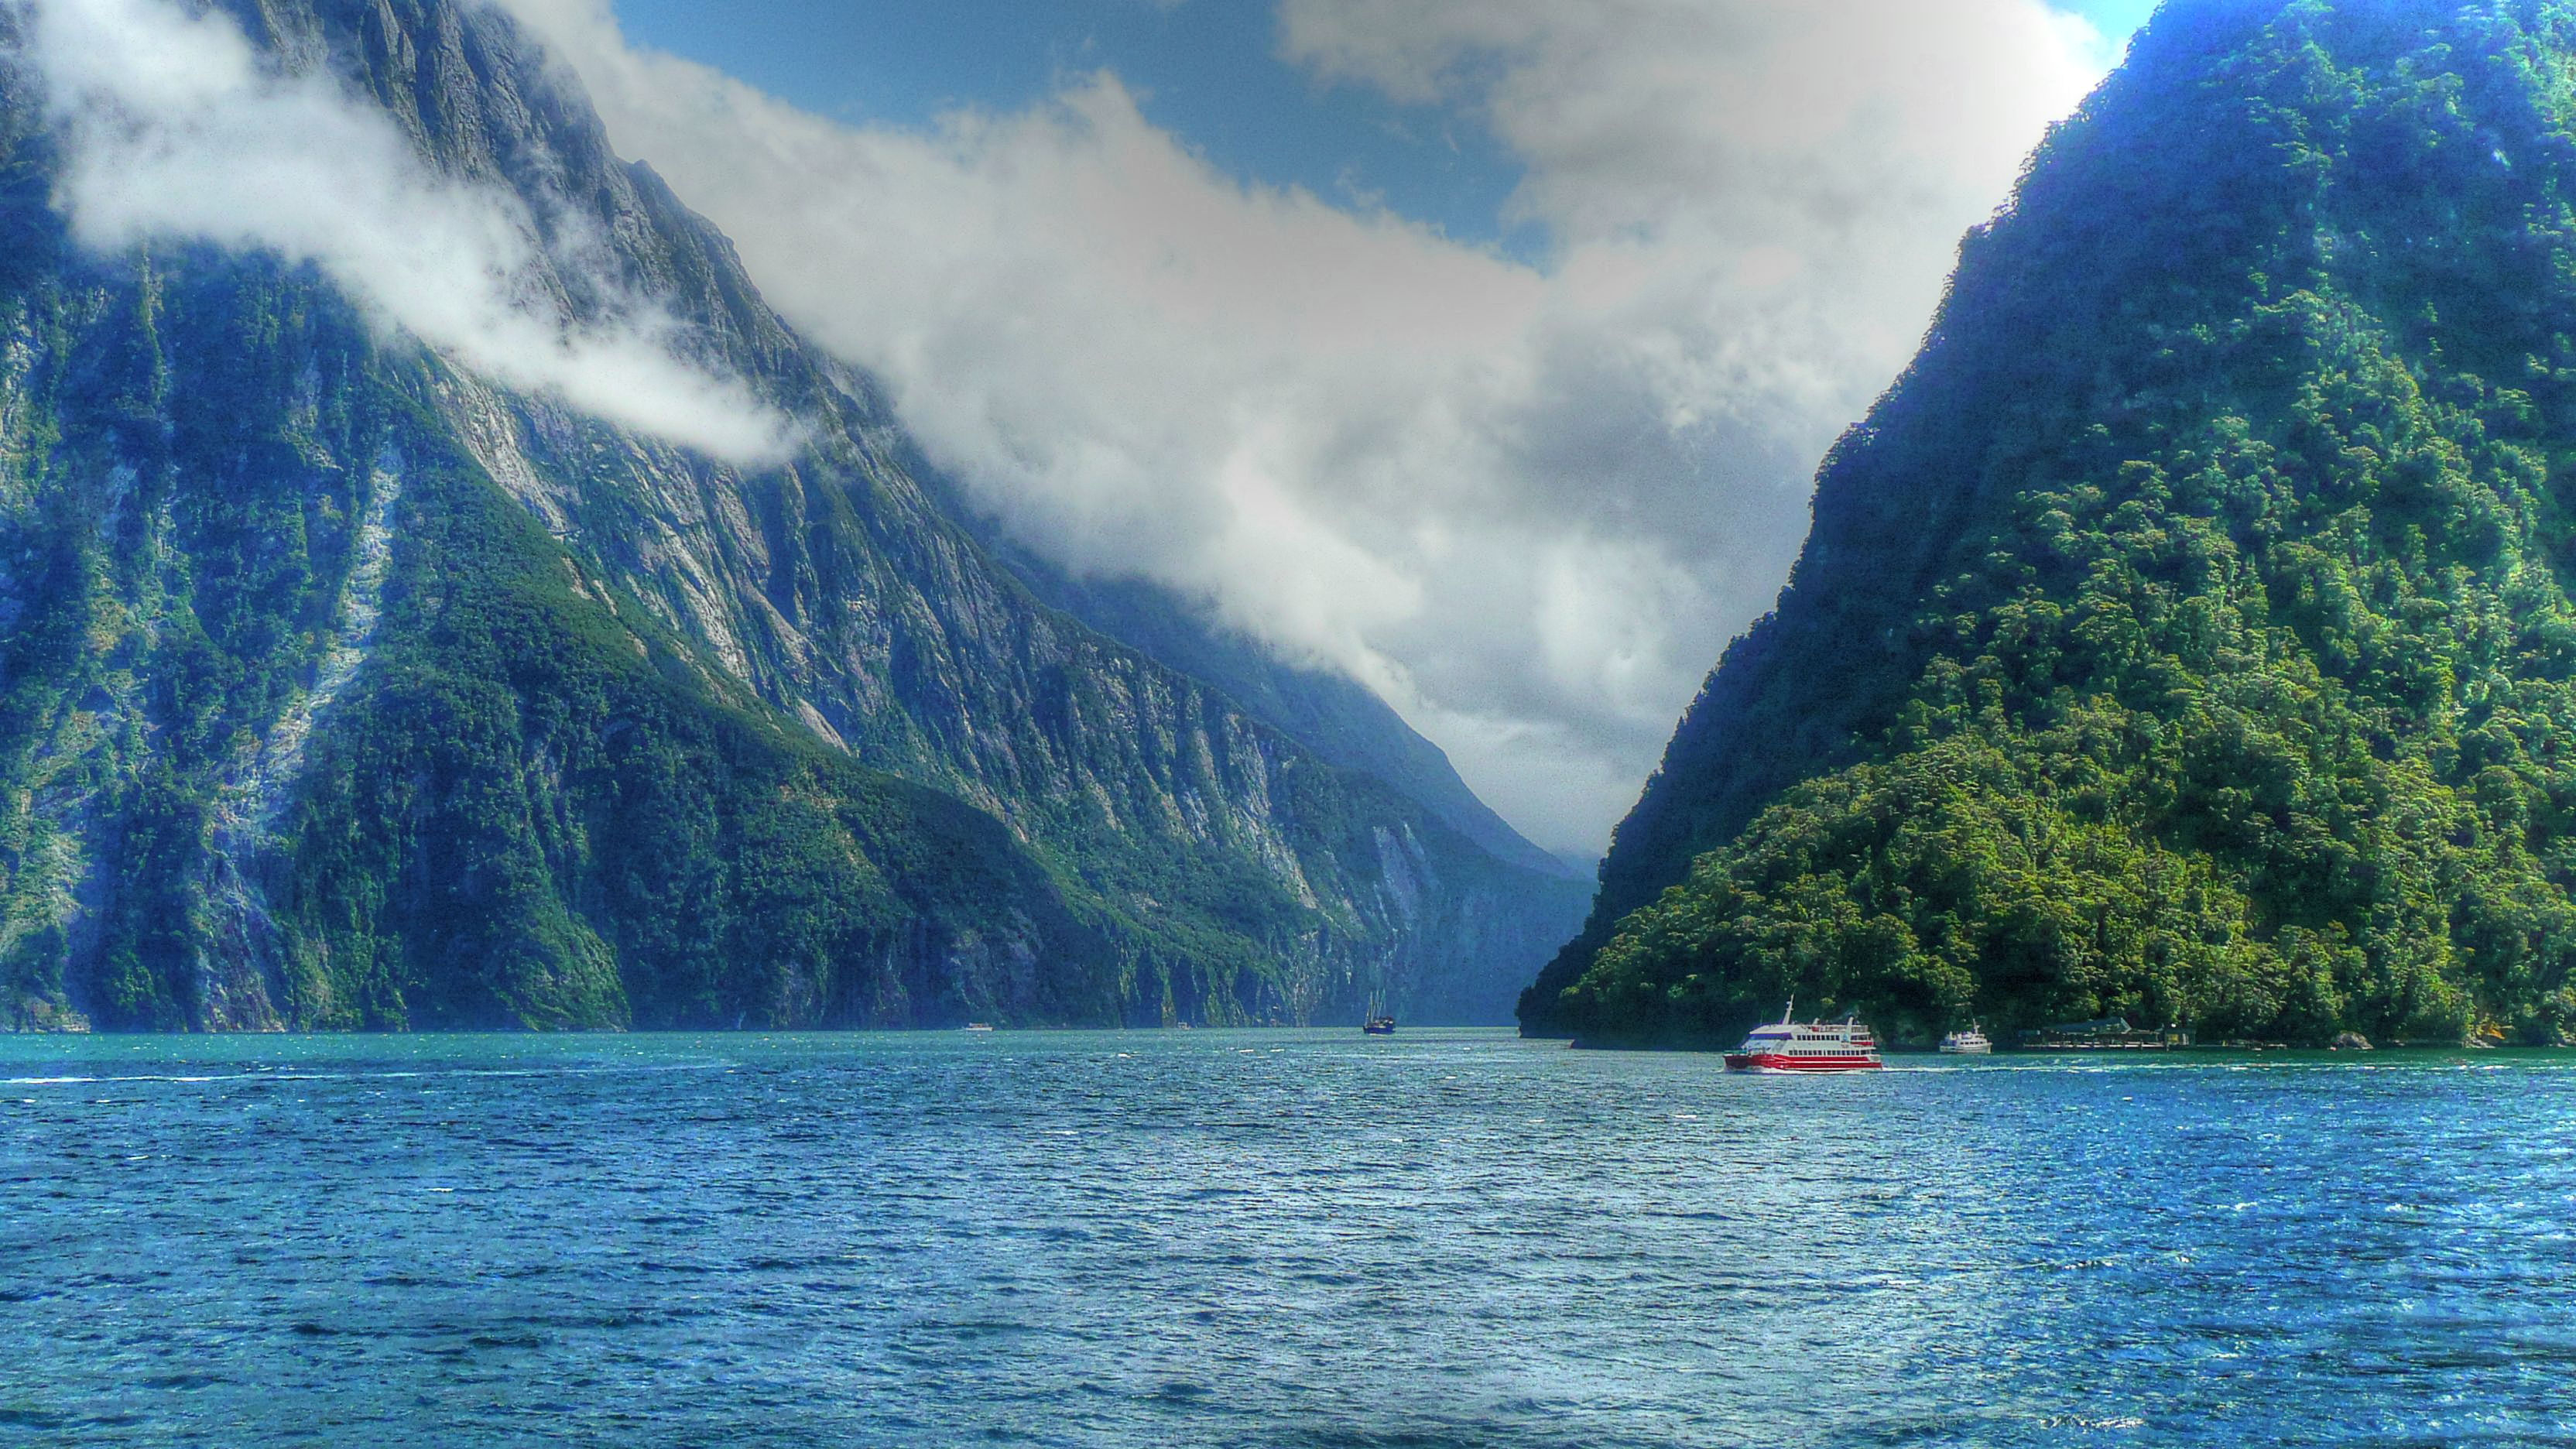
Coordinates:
1529 504
175 130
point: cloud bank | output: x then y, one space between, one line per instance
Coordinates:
176 132
1530 505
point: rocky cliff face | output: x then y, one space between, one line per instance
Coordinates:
345 687
1332 716
2184 635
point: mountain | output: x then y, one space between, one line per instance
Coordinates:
1338 719
2187 634
343 687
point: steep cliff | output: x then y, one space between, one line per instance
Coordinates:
2187 634
346 687
1331 715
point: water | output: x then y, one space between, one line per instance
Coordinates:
1270 1238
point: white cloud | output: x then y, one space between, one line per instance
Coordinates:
177 132
1529 504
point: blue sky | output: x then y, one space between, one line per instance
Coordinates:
1205 71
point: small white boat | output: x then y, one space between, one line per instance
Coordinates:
975 1026
1969 1043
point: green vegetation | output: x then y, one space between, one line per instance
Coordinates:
533 814
528 811
2188 634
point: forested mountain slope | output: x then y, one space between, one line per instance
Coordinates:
340 687
2187 634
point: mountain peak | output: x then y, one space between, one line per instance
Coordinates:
2181 636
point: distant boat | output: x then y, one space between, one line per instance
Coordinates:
1809 1046
1969 1043
1379 1021
975 1026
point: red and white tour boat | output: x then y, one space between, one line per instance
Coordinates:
1806 1046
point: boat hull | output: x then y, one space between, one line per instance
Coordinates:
1776 1064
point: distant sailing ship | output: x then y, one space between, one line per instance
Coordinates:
1377 1022
1810 1046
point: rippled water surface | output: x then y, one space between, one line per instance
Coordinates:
1270 1238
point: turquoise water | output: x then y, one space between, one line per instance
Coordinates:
1270 1238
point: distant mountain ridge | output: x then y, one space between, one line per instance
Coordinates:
345 689
2187 635
1337 718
